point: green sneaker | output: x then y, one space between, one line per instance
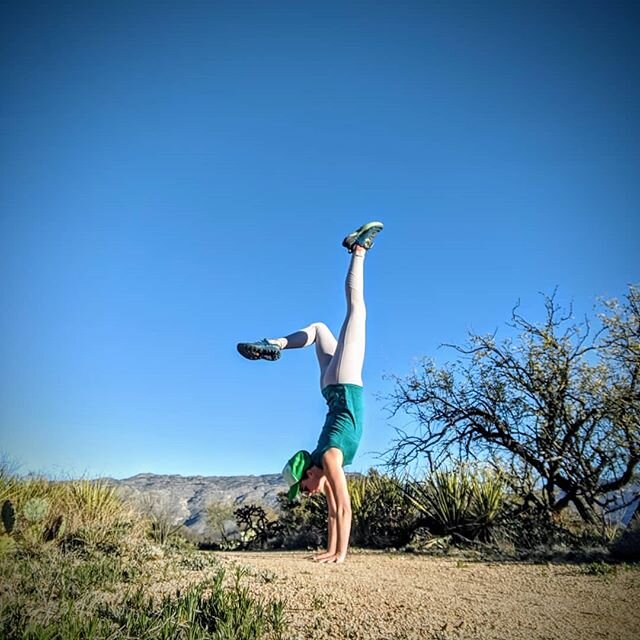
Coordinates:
363 237
261 350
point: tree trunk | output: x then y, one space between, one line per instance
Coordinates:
586 512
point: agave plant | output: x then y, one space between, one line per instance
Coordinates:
96 500
489 493
444 499
459 501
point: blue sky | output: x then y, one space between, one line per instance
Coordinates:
178 176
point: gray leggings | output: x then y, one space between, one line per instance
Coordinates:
340 360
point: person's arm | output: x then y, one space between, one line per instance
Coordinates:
337 481
332 537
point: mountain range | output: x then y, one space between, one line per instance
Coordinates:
185 499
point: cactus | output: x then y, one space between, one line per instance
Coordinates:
35 510
8 516
55 529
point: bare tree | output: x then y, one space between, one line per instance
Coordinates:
559 405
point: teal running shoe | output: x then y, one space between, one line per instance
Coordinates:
261 350
363 237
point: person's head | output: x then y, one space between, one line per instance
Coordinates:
302 475
313 481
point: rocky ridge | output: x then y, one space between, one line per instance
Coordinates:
184 499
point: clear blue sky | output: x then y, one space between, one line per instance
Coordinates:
178 176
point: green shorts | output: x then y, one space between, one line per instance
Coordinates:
343 424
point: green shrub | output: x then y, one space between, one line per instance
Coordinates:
462 501
70 597
627 545
598 569
219 517
382 515
96 516
303 522
535 532
99 577
80 513
204 611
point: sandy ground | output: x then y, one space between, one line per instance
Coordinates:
402 596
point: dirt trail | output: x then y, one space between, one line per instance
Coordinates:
398 596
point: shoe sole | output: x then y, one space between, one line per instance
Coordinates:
253 352
352 237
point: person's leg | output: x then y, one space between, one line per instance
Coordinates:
340 362
270 348
347 361
316 333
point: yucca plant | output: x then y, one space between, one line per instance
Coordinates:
462 501
97 515
489 498
36 488
444 499
7 482
97 500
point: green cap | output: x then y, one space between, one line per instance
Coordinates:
294 471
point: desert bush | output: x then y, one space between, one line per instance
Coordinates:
535 532
303 522
598 569
88 513
258 528
627 545
97 516
383 516
222 522
74 514
558 402
164 516
461 501
82 585
532 529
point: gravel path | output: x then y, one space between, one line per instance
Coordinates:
402 596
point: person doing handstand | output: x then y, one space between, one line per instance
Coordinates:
341 362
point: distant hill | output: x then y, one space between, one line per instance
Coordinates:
186 498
